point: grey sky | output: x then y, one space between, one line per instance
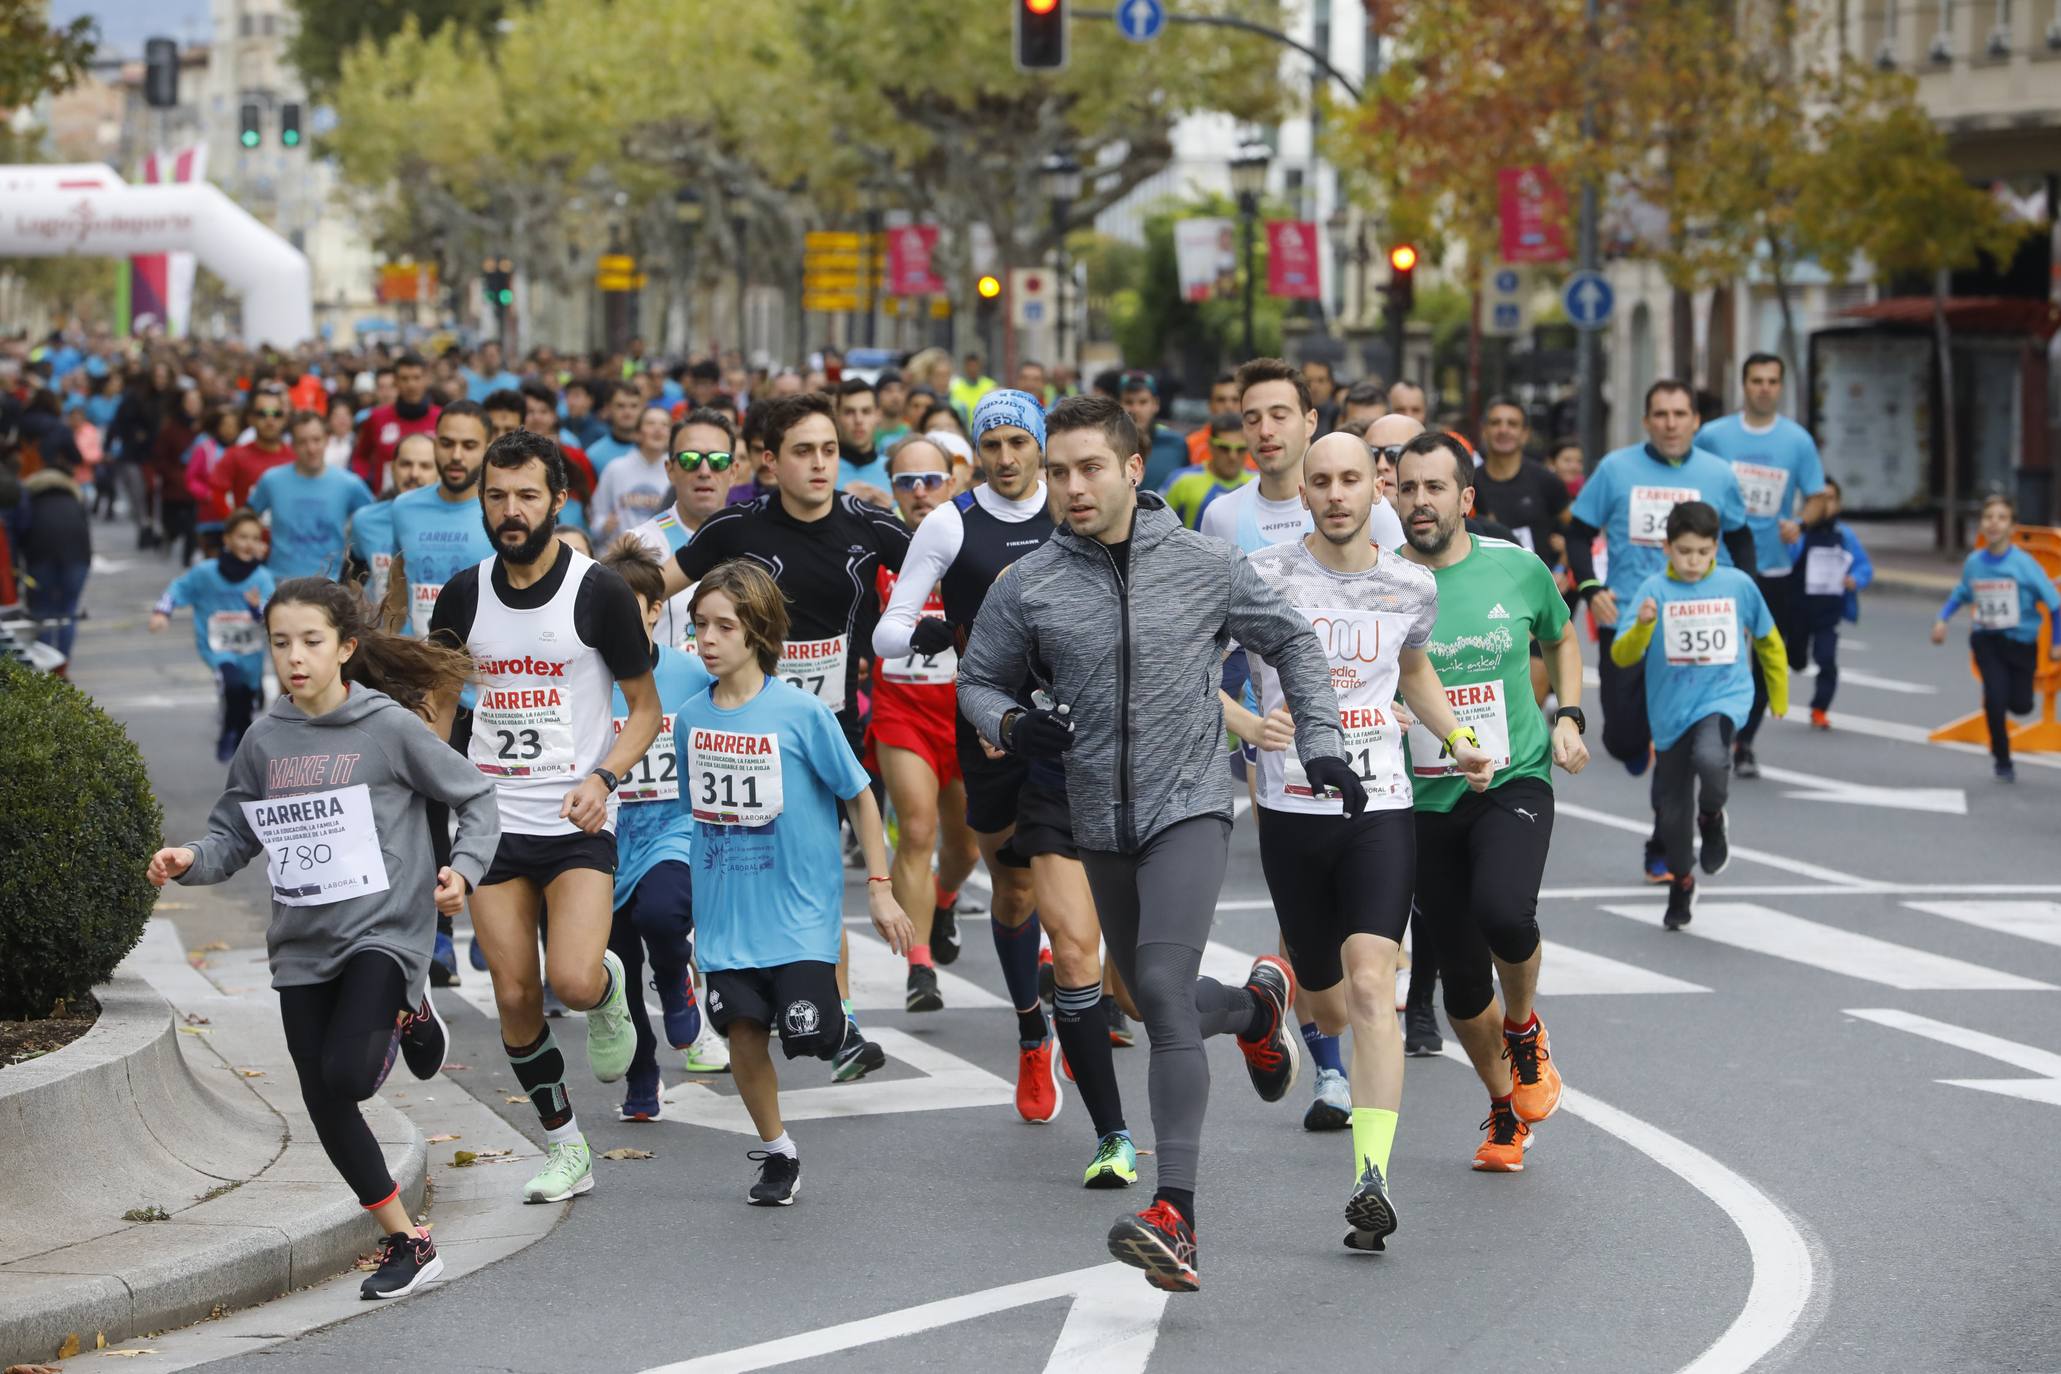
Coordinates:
124 24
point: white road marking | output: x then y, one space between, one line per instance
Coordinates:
948 1081
1944 801
1110 1328
1739 851
1565 971
2045 1088
1913 734
1715 888
2039 921
1859 678
1763 930
879 981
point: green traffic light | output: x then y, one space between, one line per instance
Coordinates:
507 297
250 138
291 138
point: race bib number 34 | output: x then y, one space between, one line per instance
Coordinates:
817 667
657 775
1705 631
321 847
735 777
1649 510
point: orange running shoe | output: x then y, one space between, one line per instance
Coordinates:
1037 1082
1819 720
1534 1082
1508 1138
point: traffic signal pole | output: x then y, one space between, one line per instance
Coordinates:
1588 374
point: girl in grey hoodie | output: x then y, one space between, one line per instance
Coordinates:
330 786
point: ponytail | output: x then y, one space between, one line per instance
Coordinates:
414 672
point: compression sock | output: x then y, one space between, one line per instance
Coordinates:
540 1068
1084 1036
1323 1048
946 901
1017 948
1373 1138
1183 1200
1031 1026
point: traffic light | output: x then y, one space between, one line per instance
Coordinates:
989 286
1040 35
499 277
1402 273
290 125
251 136
160 73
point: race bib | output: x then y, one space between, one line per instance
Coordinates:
1704 631
817 667
322 847
523 731
736 778
1650 505
375 585
422 599
1824 570
937 670
1523 534
1763 489
1996 603
657 775
1479 704
236 632
1373 750
390 433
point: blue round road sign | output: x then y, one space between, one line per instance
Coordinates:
1140 20
1589 300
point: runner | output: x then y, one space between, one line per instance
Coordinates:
1777 464
1516 490
1626 500
636 486
311 505
765 768
1151 805
1191 491
227 593
412 411
2005 588
331 787
822 548
551 633
437 531
910 736
1341 884
1482 857
704 451
372 527
1836 569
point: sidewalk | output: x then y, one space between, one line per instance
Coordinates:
1904 557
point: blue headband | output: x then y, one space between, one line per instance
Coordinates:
1003 406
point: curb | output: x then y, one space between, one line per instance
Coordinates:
1906 580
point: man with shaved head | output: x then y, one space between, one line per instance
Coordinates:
1386 436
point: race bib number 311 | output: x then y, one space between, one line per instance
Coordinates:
321 847
735 777
1698 632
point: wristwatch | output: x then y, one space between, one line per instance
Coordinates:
1573 713
608 779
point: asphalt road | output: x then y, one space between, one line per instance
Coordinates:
1812 1132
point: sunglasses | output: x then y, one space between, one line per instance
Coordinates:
925 481
1230 448
1392 452
268 414
691 461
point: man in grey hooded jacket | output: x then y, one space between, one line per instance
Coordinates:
1123 618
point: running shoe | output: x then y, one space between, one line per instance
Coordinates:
425 1039
611 1039
1421 1039
923 993
443 963
1115 1164
1820 720
479 955
640 1097
680 1009
1160 1241
1656 866
708 1054
1038 1098
1679 897
944 935
1534 1082
1744 765
1271 1059
1121 1036
1370 1212
1717 845
1502 1150
393 1052
2007 772
568 1171
1332 1108
1048 977
405 1263
779 1179
1638 766
857 1056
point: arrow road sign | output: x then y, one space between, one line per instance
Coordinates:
1589 300
1140 20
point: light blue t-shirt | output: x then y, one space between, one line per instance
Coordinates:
438 539
1775 468
874 473
478 387
772 893
223 618
1700 662
606 450
651 826
1980 586
1629 496
309 518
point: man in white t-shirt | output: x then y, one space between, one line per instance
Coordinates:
636 488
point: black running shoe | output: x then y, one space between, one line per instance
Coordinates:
1717 846
779 1179
405 1263
1271 1059
1160 1241
425 1041
1679 895
923 993
1421 1039
1370 1212
1743 763
944 935
857 1056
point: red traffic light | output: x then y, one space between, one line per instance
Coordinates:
1402 257
1040 35
1041 6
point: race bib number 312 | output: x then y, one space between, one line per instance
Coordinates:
657 775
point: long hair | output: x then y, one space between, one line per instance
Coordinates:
414 672
391 614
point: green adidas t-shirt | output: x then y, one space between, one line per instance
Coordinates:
1490 605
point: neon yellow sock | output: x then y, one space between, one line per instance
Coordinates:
1373 1138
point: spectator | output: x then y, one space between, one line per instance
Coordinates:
54 534
411 412
1365 403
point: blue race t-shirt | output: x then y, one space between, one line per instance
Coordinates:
479 386
309 517
1775 467
226 627
606 450
762 782
873 473
437 539
372 543
1629 496
652 826
1700 662
2006 593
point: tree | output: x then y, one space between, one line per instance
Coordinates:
329 31
1155 326
37 60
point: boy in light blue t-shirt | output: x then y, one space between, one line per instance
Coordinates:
2006 587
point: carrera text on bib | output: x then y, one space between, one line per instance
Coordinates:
522 724
1479 704
735 776
1647 520
817 667
321 847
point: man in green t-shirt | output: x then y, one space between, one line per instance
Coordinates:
1222 470
1482 856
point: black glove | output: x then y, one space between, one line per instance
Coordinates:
932 635
1335 775
1044 734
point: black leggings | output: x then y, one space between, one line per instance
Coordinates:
1479 867
2007 666
341 1036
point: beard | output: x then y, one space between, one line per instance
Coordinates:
532 547
471 481
1434 542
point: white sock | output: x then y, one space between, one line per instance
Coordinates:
784 1145
559 1135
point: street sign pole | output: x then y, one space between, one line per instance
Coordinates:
1588 343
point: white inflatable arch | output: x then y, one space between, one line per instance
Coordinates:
49 212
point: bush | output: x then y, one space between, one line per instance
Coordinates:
78 824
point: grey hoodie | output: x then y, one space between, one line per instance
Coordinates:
375 741
1138 661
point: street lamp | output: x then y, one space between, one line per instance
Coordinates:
1060 179
733 197
1248 181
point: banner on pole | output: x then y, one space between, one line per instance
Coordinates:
1204 259
1294 271
911 264
1534 215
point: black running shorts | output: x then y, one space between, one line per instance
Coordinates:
798 1000
540 858
992 785
1479 869
1331 877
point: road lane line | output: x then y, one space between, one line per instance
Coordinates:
2045 1065
1799 867
1565 971
2039 921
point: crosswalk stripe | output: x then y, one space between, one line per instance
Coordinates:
1763 930
2039 921
879 981
1565 971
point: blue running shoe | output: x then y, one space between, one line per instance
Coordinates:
640 1097
479 956
443 963
1656 867
682 1011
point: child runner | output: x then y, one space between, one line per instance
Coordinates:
1699 688
331 787
1835 569
765 765
2006 588
226 594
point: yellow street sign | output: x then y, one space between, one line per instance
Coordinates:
617 264
620 281
832 241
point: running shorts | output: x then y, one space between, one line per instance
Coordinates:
1479 869
993 786
919 719
540 858
798 1000
1044 823
1333 876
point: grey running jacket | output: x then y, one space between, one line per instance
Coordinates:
1138 661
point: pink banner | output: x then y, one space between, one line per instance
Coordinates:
909 268
1534 215
1293 269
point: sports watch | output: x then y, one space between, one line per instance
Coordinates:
1573 713
608 779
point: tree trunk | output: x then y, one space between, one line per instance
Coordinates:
1943 340
1792 392
1682 336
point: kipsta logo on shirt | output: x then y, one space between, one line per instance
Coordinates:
1496 612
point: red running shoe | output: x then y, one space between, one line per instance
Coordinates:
1160 1241
1271 1059
1037 1082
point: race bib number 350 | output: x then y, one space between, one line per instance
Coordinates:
657 775
735 777
1479 704
1705 631
321 847
1649 510
817 667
